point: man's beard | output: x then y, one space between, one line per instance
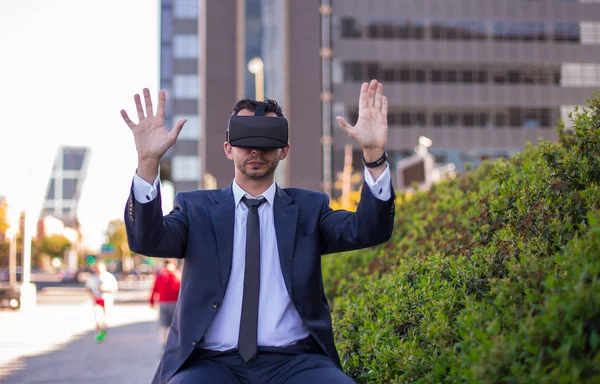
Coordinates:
257 174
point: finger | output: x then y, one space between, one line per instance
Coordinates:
162 97
378 96
138 107
344 125
362 100
127 119
148 101
384 107
371 93
177 128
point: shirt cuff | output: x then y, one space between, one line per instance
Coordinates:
381 188
143 191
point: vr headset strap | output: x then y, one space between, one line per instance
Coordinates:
260 109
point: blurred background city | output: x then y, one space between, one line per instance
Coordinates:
466 80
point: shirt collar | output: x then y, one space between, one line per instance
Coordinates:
238 193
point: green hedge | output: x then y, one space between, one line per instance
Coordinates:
491 277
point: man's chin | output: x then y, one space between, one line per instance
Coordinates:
256 175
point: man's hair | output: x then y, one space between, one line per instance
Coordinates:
271 106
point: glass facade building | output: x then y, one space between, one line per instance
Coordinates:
64 187
205 49
179 77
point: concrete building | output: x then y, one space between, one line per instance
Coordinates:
205 49
479 78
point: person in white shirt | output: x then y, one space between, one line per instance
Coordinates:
252 307
101 285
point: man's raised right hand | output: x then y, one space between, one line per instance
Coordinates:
151 137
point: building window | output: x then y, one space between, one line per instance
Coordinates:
166 24
185 9
69 189
571 32
166 67
500 120
73 160
531 118
350 28
590 32
513 74
50 195
568 32
469 120
338 75
186 86
419 119
185 46
185 168
580 75
192 130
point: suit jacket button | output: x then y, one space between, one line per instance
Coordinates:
194 343
215 305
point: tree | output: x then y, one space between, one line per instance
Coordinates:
52 246
116 235
4 245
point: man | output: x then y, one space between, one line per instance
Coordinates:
252 307
166 289
101 285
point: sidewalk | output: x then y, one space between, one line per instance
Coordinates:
55 344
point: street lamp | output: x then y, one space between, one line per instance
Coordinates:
256 67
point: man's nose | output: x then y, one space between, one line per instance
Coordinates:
257 151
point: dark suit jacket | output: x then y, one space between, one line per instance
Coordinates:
200 229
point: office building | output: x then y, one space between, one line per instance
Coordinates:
205 50
479 78
64 187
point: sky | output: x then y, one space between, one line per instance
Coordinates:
67 67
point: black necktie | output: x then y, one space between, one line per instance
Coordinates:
249 319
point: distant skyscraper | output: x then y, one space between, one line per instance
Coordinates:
64 186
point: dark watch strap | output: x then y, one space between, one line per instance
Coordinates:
377 162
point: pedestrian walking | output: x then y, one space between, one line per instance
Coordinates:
165 290
102 285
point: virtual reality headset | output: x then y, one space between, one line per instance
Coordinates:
258 131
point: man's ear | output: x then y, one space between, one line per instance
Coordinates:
227 149
284 152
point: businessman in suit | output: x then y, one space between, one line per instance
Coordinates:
252 308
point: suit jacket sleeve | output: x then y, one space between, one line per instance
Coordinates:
151 234
371 224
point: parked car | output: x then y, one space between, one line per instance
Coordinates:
78 277
10 296
4 275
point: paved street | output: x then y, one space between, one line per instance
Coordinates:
54 342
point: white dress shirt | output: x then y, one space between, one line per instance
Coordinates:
279 323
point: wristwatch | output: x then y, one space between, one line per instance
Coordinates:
377 162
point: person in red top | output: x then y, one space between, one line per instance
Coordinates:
166 290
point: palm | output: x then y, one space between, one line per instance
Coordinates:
151 137
370 131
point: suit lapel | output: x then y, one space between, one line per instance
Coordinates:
285 215
223 219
